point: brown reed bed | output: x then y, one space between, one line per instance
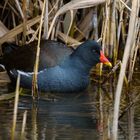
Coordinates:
115 22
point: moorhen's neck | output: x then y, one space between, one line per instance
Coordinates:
84 65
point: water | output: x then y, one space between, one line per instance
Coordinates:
82 116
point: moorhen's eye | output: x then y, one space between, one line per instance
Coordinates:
94 51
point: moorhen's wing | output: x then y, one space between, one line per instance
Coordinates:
53 53
22 58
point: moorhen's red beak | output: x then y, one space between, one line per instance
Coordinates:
104 60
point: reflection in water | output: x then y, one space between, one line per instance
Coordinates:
64 118
84 116
58 117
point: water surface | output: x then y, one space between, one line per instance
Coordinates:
83 116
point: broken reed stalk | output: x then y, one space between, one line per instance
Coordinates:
34 80
15 108
136 99
23 125
46 21
111 72
128 45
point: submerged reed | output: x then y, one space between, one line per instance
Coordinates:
15 109
23 125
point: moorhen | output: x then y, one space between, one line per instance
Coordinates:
61 69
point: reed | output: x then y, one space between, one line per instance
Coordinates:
109 20
18 29
129 42
35 86
24 21
73 5
46 19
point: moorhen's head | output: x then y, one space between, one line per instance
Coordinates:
91 52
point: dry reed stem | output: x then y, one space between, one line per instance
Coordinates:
4 30
81 33
35 86
104 35
120 26
34 36
76 4
95 24
134 49
70 40
104 30
24 21
18 29
46 19
19 8
113 30
125 5
14 10
133 64
108 34
6 1
123 68
54 7
71 22
86 25
15 108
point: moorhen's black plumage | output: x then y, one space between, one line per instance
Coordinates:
61 69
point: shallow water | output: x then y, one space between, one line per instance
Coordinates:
82 116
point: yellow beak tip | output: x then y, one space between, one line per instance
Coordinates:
108 64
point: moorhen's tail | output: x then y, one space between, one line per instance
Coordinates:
8 47
2 68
